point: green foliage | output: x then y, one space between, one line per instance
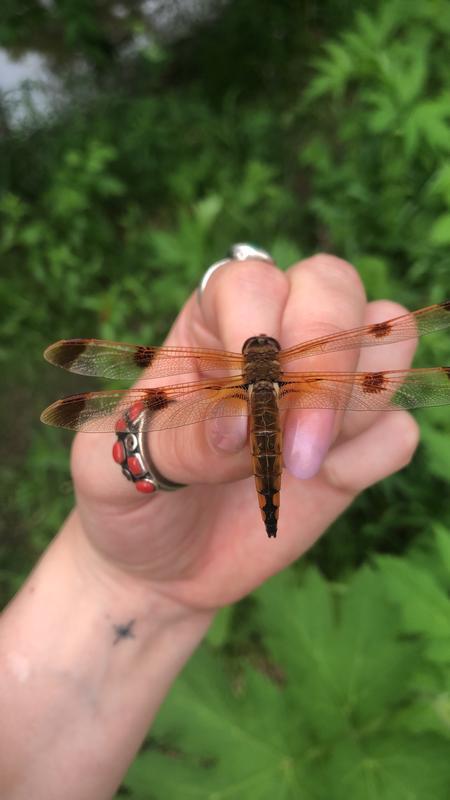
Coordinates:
381 94
352 686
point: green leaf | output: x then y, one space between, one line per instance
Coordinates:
430 712
440 230
408 78
224 744
343 710
219 631
424 606
390 767
440 184
341 653
284 252
427 123
207 210
375 274
442 539
437 450
383 111
438 650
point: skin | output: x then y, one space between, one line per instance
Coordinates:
126 591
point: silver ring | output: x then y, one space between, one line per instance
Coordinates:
131 452
237 252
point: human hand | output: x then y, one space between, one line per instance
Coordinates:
205 546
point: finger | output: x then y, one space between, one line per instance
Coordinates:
243 299
378 359
383 448
326 296
240 300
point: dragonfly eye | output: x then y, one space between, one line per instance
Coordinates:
271 340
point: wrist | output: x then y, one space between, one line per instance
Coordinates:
114 583
89 653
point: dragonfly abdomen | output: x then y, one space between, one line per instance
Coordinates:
266 450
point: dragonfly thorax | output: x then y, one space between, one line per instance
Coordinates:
261 359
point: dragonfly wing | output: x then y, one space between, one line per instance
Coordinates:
119 360
170 407
365 391
408 326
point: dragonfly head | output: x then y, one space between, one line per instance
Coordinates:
262 341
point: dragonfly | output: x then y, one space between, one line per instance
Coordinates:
253 383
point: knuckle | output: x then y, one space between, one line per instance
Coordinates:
258 275
338 270
385 309
334 479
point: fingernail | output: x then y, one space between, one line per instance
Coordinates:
308 436
228 434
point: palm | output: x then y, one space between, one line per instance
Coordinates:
209 531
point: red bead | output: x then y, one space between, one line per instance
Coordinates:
121 425
118 453
135 410
145 486
135 466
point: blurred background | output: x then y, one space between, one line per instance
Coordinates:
137 141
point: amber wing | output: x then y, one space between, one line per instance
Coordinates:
408 326
118 360
365 391
170 407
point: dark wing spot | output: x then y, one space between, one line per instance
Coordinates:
157 399
373 382
143 356
381 329
69 413
66 355
445 305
